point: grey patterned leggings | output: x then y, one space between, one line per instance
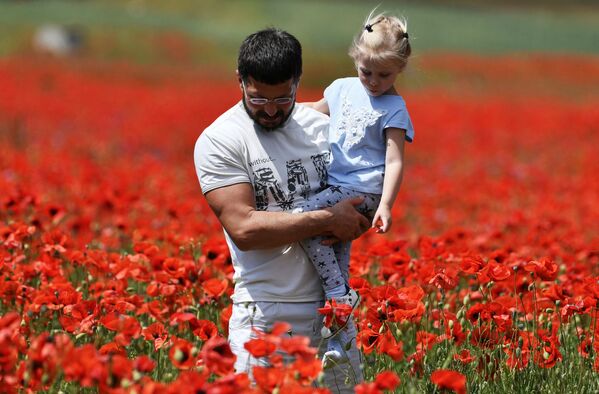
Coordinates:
332 262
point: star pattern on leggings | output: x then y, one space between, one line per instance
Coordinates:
335 189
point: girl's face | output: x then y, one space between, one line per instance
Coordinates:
377 78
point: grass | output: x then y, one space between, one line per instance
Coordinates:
322 27
207 34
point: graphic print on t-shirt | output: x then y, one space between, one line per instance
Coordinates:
321 161
297 179
266 183
354 121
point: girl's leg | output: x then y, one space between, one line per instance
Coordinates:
342 249
336 350
323 257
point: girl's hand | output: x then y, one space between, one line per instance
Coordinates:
382 219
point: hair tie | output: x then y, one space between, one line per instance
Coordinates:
368 26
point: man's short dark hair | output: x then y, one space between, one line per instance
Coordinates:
270 56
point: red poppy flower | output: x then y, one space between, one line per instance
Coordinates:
335 315
144 364
217 356
545 268
450 380
472 264
367 340
494 271
127 327
387 380
205 329
182 354
308 369
214 287
387 344
298 346
260 347
464 357
444 280
156 333
85 366
268 378
225 316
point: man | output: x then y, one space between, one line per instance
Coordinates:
256 163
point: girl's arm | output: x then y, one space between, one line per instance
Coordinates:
393 176
320 106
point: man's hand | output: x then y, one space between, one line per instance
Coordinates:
346 223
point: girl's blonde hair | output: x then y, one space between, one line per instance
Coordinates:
383 39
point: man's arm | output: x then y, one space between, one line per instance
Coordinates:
251 229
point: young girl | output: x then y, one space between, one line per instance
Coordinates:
368 126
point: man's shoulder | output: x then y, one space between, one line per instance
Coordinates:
305 115
226 132
233 118
228 126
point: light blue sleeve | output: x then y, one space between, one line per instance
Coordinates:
400 119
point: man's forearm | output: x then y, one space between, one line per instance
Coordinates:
253 229
262 229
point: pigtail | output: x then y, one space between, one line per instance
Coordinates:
382 39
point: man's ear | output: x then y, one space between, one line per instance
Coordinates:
239 79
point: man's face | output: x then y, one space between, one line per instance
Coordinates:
278 102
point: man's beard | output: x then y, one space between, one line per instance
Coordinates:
263 115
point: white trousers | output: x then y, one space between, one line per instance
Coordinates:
306 321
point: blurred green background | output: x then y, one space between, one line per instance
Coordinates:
207 33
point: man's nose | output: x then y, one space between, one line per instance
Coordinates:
270 108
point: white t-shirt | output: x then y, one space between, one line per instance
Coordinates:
285 167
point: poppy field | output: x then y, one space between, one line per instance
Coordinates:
115 277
